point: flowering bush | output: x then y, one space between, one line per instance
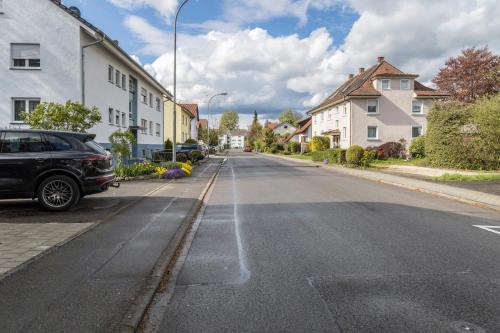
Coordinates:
174 174
135 170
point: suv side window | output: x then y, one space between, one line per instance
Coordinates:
56 143
22 142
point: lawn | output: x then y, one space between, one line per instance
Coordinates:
299 156
468 178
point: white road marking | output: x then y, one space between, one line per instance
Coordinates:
490 228
244 272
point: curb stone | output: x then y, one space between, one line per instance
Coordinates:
137 311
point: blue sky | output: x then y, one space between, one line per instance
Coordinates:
270 55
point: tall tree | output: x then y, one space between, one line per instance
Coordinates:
291 116
254 130
229 121
472 74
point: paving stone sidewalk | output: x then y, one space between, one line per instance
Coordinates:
20 243
460 194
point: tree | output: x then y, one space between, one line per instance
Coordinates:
229 121
291 116
474 73
121 143
71 116
255 130
214 136
191 141
168 145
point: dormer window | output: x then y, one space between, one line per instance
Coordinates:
405 84
386 84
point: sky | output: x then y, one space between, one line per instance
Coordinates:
272 55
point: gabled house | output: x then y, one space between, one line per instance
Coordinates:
50 53
183 122
284 128
303 133
193 109
377 105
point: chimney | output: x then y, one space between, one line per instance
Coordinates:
351 76
361 70
380 59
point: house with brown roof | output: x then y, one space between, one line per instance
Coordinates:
303 133
377 105
192 108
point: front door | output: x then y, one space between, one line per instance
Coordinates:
336 141
22 159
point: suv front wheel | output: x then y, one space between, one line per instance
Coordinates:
58 193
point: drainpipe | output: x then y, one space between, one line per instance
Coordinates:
101 39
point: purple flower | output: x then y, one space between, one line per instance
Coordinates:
174 174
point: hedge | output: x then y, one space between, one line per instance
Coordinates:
417 147
320 143
318 156
354 155
293 147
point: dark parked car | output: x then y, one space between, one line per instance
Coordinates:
58 168
189 148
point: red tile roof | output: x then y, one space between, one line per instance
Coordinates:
203 123
361 86
301 129
191 108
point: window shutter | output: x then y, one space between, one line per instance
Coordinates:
26 51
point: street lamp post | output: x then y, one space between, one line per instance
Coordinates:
174 155
208 127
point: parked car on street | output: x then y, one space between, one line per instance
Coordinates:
189 148
58 168
247 149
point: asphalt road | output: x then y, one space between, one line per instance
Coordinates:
284 247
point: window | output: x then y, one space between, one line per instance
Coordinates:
336 110
124 119
416 131
386 84
144 96
111 116
150 100
117 118
372 106
58 144
337 123
158 105
21 105
417 107
111 73
124 82
344 132
118 76
19 142
405 84
144 126
344 109
372 132
150 128
322 116
25 56
157 129
329 114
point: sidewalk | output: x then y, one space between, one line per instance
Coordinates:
91 283
455 193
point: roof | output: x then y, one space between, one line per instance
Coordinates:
283 123
113 44
361 86
271 125
191 108
203 123
237 132
304 127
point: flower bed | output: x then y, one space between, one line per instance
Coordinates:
153 170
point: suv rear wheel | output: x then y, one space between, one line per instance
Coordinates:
58 193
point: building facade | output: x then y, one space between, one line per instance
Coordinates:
58 56
377 105
233 139
284 128
183 120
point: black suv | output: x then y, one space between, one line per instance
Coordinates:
58 168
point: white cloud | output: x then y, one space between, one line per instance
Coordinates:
268 73
166 8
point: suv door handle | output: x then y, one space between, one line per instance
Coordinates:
40 160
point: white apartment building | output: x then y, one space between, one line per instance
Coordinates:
59 56
233 139
378 105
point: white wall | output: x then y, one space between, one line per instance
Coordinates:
194 129
58 80
326 120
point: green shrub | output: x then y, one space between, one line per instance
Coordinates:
333 155
486 141
318 156
320 143
417 147
195 155
191 142
293 147
354 155
181 157
287 153
369 156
